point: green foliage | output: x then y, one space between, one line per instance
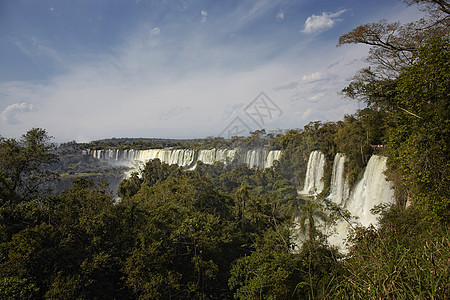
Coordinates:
22 173
409 83
355 137
418 145
406 258
182 241
274 271
298 144
270 272
158 171
17 288
129 186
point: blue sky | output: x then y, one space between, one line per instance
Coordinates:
91 69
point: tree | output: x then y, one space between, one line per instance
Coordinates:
22 166
183 247
432 5
269 272
92 241
129 186
31 254
418 144
155 171
409 82
394 45
405 258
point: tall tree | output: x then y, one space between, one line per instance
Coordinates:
22 165
409 80
394 44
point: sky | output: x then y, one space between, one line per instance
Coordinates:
92 69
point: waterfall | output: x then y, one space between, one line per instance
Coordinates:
271 157
253 158
371 190
339 189
260 159
211 156
187 157
207 156
225 156
314 173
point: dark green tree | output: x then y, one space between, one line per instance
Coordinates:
22 166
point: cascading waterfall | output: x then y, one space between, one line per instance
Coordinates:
371 190
187 157
313 182
314 173
211 156
339 189
271 157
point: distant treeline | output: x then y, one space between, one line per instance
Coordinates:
257 139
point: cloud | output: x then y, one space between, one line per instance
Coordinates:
255 12
155 31
316 97
9 115
313 77
318 23
204 15
280 15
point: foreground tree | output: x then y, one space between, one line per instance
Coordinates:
24 180
406 258
22 166
418 143
410 83
184 240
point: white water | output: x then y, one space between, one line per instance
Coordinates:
188 158
209 157
371 190
339 189
260 159
314 173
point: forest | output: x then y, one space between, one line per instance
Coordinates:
224 232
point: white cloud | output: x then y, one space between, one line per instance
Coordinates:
316 97
313 76
204 15
9 114
317 23
280 15
155 31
